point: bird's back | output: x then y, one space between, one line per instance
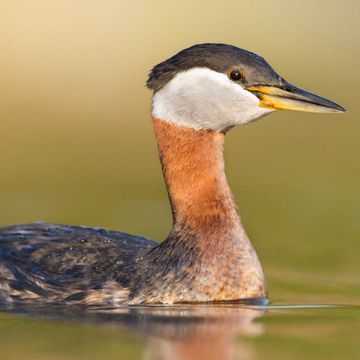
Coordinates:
46 263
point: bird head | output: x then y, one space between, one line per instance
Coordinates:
218 86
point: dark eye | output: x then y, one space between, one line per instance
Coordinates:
236 74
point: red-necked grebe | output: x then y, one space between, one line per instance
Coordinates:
198 95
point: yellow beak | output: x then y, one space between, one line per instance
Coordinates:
289 97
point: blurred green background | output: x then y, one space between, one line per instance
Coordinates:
76 142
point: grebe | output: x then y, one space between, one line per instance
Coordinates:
198 95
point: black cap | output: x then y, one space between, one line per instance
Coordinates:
218 57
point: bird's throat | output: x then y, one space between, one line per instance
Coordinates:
193 167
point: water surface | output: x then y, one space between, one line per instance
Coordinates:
222 331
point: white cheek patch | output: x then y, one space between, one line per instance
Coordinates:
201 98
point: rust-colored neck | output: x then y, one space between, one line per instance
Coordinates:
207 256
193 167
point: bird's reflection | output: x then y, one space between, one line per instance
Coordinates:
202 333
180 332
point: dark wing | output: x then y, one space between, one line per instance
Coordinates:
57 263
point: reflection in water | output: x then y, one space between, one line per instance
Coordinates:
204 333
175 332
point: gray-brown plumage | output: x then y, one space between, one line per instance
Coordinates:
67 264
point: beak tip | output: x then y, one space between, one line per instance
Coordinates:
337 108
